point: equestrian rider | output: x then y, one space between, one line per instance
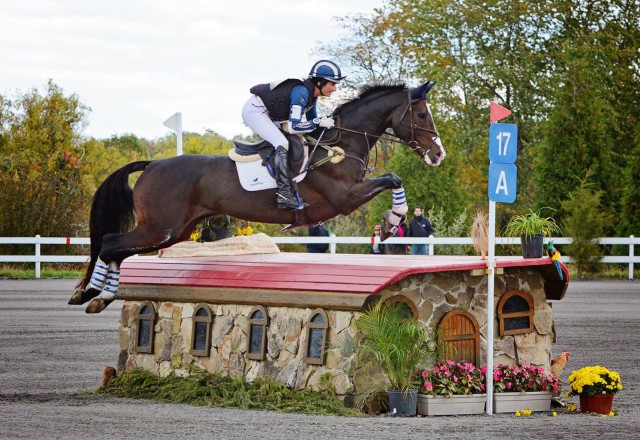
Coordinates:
292 101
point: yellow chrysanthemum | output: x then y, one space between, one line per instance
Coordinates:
611 414
518 414
553 414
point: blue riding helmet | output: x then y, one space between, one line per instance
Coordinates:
328 70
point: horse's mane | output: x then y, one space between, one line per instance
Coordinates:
367 90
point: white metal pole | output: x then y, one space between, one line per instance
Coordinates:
179 133
491 266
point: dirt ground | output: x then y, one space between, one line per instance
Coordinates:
49 351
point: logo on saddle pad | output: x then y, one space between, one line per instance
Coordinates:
254 175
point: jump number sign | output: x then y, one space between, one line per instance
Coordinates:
503 143
503 151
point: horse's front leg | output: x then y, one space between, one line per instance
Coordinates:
361 192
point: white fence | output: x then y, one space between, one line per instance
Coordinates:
333 241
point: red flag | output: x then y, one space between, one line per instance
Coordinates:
498 112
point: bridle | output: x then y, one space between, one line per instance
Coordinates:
411 143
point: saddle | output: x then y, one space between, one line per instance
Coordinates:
263 150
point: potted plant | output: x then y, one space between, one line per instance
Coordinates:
217 228
523 387
452 388
532 228
389 340
596 387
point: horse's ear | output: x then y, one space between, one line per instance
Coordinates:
420 93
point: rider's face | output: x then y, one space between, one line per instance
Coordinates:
327 89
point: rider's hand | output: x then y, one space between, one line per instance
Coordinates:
326 122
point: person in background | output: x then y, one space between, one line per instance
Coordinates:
376 246
398 249
419 227
318 231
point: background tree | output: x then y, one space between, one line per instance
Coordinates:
43 188
586 220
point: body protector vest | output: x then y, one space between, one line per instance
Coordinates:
277 96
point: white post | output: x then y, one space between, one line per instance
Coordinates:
431 247
179 135
490 300
631 256
37 256
332 245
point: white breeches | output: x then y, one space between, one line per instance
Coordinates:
255 115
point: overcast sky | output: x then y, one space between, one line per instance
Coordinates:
137 62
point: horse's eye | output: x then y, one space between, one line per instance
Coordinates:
422 115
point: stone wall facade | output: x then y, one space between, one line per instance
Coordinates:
433 294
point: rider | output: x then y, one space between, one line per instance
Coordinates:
292 101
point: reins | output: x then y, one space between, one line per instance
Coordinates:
411 143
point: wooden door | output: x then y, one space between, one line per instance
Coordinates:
458 332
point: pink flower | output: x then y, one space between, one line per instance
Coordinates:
428 385
450 362
530 384
483 369
540 370
425 374
472 368
555 387
508 385
468 376
482 387
455 378
436 369
550 378
496 376
447 373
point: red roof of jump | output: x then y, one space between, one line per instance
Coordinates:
353 273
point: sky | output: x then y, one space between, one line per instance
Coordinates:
135 63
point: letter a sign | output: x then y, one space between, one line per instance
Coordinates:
503 152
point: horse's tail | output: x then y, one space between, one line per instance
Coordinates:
112 210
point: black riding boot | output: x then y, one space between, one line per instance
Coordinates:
285 197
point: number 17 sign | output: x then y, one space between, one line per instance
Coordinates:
503 143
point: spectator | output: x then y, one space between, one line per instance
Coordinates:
419 227
376 246
398 249
318 231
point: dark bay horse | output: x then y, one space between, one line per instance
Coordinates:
172 195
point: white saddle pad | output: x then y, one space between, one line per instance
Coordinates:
255 177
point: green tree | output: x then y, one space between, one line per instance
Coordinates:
586 220
43 187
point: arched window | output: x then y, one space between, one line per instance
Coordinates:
515 313
257 341
460 336
407 306
316 337
201 330
145 328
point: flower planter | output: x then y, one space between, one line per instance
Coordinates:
512 402
403 404
598 403
532 246
429 405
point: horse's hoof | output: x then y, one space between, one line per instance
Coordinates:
96 305
82 296
76 298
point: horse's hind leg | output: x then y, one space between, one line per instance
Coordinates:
115 248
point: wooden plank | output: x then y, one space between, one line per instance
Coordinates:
264 297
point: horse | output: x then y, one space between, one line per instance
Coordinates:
173 195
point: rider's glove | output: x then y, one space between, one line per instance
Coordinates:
326 122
